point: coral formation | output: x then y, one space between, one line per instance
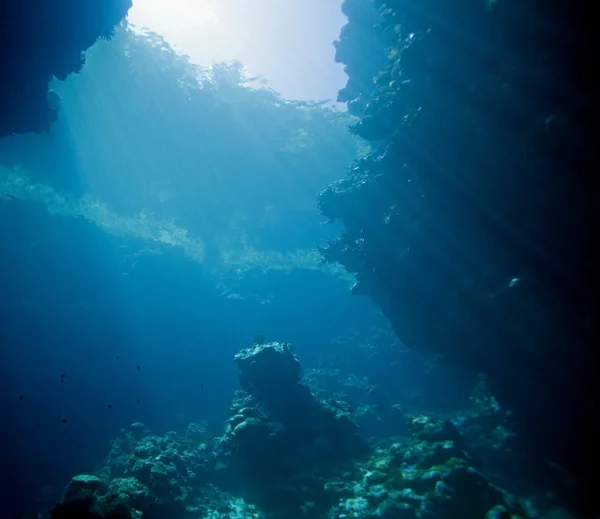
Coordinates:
372 411
152 476
280 440
287 453
429 476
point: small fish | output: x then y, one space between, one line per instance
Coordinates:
138 399
62 378
513 282
201 386
20 397
118 358
138 367
110 406
63 420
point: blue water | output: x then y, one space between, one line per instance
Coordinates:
68 308
143 246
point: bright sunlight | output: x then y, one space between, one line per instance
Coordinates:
288 43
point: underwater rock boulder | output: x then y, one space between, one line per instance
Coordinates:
125 498
144 475
280 440
81 499
85 482
429 476
268 367
153 474
138 430
80 504
277 404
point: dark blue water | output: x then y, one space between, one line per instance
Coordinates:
68 309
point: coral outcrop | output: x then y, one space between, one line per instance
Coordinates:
287 453
148 471
281 441
430 476
371 409
152 476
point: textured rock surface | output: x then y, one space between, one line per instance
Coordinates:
146 475
86 481
41 39
431 475
469 223
286 453
280 441
372 411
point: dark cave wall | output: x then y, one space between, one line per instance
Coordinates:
41 39
470 223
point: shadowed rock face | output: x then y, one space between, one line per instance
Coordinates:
41 39
279 436
470 223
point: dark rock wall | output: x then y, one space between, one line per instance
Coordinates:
471 222
40 39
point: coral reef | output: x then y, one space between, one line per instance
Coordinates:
469 223
281 443
41 39
430 476
287 453
152 476
372 411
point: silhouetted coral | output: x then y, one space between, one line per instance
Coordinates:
41 39
281 444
